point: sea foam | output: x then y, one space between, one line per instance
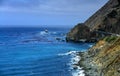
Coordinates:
68 53
43 33
76 70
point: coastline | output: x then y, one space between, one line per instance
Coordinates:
86 62
82 65
77 70
103 58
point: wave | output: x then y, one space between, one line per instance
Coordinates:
90 46
75 59
46 33
68 53
43 33
76 70
79 73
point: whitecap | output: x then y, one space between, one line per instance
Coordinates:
43 33
68 53
79 73
75 59
90 45
76 70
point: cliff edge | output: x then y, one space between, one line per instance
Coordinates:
104 22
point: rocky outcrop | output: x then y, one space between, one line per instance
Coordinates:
106 19
76 34
103 59
82 33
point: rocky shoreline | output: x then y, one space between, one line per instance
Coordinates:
88 67
103 28
103 58
77 70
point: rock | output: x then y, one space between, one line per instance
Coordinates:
75 67
105 61
58 39
46 31
119 70
63 40
106 19
80 31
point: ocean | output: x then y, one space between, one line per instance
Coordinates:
37 52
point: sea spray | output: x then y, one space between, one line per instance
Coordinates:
77 70
68 53
75 58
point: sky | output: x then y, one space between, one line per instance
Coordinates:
35 13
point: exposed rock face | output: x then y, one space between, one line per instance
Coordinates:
97 19
106 19
76 34
103 59
111 23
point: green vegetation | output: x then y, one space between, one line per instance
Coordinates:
110 39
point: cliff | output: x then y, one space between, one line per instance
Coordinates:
103 59
106 19
75 33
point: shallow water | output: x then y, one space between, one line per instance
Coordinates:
33 52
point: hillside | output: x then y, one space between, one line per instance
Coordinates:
106 19
103 59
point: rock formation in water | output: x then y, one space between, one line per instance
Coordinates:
106 19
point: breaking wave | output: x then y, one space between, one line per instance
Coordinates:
75 58
68 53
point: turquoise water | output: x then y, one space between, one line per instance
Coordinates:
34 52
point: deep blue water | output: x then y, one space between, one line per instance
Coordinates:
33 52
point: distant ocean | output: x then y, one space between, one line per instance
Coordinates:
37 52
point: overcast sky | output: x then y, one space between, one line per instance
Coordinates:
47 12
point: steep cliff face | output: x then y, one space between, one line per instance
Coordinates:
111 22
76 34
97 19
103 59
106 19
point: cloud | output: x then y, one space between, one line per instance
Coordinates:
51 6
